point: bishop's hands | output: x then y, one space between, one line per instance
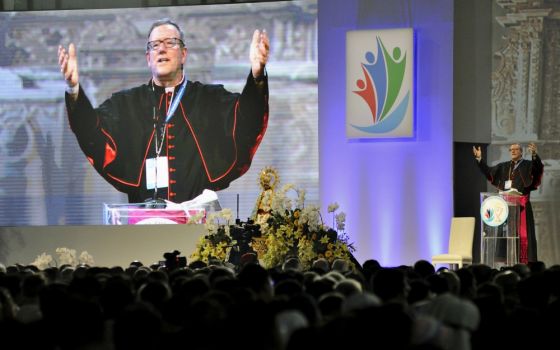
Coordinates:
258 54
477 152
533 148
68 62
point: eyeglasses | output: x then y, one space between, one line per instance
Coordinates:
168 43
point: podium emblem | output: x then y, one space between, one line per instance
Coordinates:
494 211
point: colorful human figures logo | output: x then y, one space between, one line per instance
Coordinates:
494 211
380 88
489 215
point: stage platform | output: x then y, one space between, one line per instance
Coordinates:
108 245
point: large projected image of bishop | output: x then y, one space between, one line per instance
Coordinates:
224 130
170 138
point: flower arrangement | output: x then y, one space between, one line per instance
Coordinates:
66 256
217 243
287 228
299 231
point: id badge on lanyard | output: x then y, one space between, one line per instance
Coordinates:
157 171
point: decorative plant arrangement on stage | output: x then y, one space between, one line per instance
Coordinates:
299 231
218 242
66 256
285 227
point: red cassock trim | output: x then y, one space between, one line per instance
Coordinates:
139 179
110 150
110 155
210 178
523 241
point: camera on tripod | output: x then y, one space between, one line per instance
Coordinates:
173 260
243 233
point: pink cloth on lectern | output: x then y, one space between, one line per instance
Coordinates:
177 216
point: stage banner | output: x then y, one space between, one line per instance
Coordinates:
380 83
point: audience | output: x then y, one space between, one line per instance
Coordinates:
336 305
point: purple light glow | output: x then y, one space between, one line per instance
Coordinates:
397 194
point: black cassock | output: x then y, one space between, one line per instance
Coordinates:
525 176
209 142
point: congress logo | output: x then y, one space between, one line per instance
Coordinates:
379 96
494 211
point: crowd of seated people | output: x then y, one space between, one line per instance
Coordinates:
329 306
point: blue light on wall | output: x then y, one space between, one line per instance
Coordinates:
397 194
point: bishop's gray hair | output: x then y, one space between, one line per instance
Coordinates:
164 21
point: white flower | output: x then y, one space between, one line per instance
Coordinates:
340 221
332 207
277 204
66 256
197 218
301 199
226 214
311 216
212 218
212 222
86 259
42 261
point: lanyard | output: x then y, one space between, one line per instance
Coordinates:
512 169
170 113
176 101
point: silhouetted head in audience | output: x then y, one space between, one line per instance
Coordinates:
52 274
419 291
536 266
438 284
138 327
453 281
136 263
8 308
534 292
522 270
31 285
67 273
468 283
12 269
257 279
348 287
198 264
154 292
307 305
507 280
390 285
341 266
319 287
248 258
482 273
288 288
116 295
424 268
220 272
330 305
491 292
292 263
552 275
321 266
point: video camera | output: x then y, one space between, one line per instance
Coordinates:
173 260
243 233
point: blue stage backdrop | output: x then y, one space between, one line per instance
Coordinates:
397 194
